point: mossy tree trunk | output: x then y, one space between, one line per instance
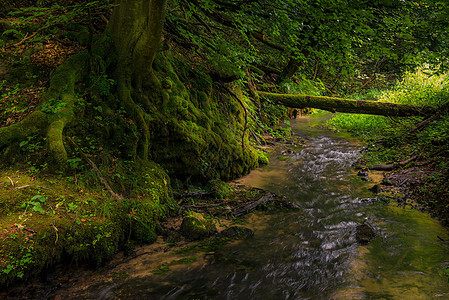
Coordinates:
349 105
136 27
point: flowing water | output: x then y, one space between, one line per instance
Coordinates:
311 253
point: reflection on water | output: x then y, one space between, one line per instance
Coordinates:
312 253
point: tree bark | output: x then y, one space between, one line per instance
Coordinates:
289 70
136 26
349 105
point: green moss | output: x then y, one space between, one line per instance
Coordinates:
195 226
74 224
262 158
197 134
220 188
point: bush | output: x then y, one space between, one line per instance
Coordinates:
422 87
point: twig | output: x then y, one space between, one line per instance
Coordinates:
29 185
253 205
104 19
56 232
94 166
28 230
26 38
12 182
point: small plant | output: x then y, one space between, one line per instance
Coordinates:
53 107
35 204
104 85
31 145
74 162
72 206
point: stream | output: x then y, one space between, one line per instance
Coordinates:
311 253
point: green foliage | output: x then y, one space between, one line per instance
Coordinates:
263 157
32 145
104 84
422 87
35 204
57 14
74 162
52 106
302 86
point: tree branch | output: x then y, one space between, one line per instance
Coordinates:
94 166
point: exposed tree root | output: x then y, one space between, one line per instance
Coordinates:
57 109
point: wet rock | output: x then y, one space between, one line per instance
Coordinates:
236 232
290 205
364 234
376 189
287 152
386 181
363 175
368 200
194 226
282 201
173 237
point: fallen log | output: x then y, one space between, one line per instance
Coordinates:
390 167
253 205
349 105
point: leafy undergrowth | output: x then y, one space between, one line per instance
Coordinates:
393 140
46 220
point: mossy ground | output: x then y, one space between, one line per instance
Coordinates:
49 219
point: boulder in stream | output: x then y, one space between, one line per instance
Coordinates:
364 234
376 189
195 226
236 232
386 181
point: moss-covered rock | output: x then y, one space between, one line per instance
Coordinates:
195 226
219 188
263 158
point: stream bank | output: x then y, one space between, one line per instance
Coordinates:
306 253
